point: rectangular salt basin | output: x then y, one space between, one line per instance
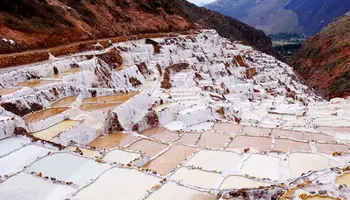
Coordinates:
200 127
113 140
172 191
149 147
27 187
262 166
240 182
15 161
226 127
65 102
10 144
310 162
5 91
344 179
213 140
85 152
36 83
285 145
123 184
67 167
44 114
243 142
216 160
196 177
53 131
99 106
166 162
120 156
119 98
189 138
160 133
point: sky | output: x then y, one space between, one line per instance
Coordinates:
201 2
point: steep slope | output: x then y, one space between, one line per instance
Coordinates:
275 16
27 24
324 60
227 27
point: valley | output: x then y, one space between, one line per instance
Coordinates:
154 100
279 16
287 44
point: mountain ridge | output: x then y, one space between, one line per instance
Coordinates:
228 27
293 16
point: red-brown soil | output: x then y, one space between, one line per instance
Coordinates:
324 60
48 23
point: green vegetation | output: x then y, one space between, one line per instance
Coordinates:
287 50
287 43
286 36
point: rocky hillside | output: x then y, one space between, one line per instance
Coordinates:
275 16
27 24
324 60
32 24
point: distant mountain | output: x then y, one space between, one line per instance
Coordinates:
227 27
324 60
306 17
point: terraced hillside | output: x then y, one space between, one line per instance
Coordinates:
185 117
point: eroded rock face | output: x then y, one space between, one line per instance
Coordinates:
17 108
112 58
115 124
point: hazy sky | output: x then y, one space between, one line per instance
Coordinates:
201 2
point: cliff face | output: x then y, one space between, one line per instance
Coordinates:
46 23
227 27
28 24
324 60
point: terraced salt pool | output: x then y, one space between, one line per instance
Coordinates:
53 131
65 102
44 114
36 83
5 91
